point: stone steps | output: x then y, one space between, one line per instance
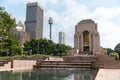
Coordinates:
106 58
81 61
3 62
62 64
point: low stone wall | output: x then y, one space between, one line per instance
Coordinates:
84 58
42 58
106 62
100 75
6 66
18 64
23 63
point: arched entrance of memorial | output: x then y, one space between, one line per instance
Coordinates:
86 47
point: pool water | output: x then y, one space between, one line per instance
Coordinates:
51 74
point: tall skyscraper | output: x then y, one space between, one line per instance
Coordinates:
61 38
34 20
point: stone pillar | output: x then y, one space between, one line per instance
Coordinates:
93 41
81 42
77 41
90 42
93 44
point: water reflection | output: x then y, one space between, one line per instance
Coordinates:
51 74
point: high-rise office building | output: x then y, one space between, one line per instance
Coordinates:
61 38
34 20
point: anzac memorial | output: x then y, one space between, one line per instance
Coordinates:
87 52
87 39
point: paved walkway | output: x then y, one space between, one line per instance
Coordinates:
108 74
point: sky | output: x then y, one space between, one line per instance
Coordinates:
67 13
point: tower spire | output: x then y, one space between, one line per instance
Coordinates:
50 21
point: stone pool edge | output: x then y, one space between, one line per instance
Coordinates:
18 65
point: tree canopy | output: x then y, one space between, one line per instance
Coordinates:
117 48
109 51
45 46
7 40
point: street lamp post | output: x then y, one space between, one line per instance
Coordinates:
50 21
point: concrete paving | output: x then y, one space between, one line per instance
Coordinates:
108 74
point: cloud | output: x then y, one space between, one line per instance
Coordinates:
109 33
42 2
106 13
67 13
105 3
66 20
104 17
108 27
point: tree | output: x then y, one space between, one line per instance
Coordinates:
40 46
117 49
6 22
7 40
15 50
109 51
62 49
45 46
114 54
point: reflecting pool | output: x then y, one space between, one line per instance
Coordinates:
51 74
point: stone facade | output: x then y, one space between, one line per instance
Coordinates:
34 20
86 38
20 34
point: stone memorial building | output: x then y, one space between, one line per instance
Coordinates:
86 38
